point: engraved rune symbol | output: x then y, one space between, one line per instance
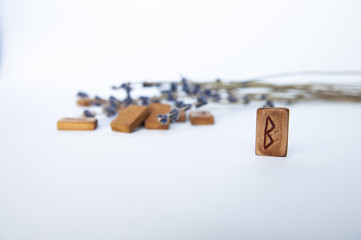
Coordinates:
270 126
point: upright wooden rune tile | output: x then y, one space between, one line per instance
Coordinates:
130 118
272 132
77 124
201 118
155 109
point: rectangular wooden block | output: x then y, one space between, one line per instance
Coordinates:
130 118
77 124
272 132
201 118
84 102
182 116
155 109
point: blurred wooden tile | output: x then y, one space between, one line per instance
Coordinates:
155 109
84 102
182 116
77 124
201 118
130 118
272 132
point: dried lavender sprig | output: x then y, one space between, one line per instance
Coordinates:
172 116
347 92
270 76
88 114
204 92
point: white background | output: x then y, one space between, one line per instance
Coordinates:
72 41
188 182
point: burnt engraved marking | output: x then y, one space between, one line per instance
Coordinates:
267 131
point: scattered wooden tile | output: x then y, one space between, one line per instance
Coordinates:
84 102
155 109
130 118
77 124
272 132
182 116
201 118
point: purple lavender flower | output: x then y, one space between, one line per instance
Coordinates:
232 99
170 96
174 115
127 88
269 103
110 111
246 99
82 95
179 104
185 86
196 89
114 102
163 119
127 101
201 101
216 97
113 98
96 103
145 100
87 113
173 87
182 105
263 97
207 92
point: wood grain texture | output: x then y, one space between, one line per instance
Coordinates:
130 118
201 118
272 132
182 116
155 109
77 124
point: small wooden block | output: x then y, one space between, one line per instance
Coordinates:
155 109
84 102
182 116
272 132
77 124
201 118
130 118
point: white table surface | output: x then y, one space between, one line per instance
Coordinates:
191 182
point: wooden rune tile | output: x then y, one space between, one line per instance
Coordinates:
84 102
77 124
272 132
201 118
155 109
182 116
130 118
